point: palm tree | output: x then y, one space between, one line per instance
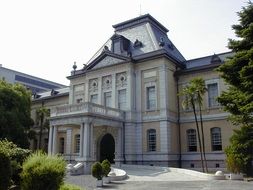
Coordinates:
193 95
199 84
42 114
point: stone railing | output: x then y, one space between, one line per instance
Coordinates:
86 107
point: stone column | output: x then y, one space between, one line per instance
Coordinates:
50 139
86 142
81 140
55 140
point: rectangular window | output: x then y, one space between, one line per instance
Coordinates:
77 143
192 140
151 140
94 98
212 94
122 99
151 98
216 139
108 99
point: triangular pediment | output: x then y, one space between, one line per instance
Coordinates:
107 58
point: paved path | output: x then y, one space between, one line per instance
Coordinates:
145 179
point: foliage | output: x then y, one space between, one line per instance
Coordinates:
237 71
43 172
15 108
106 165
240 152
192 94
70 187
5 170
97 170
16 156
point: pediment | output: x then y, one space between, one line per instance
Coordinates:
105 59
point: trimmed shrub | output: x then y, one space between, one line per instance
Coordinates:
43 172
17 156
97 170
70 187
5 170
106 165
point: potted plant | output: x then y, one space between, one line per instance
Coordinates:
106 166
97 172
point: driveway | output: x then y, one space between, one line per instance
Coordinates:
160 179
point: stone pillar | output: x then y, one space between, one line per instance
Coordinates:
85 147
100 96
55 140
86 95
50 139
81 140
138 95
130 93
165 136
163 80
114 96
119 148
68 141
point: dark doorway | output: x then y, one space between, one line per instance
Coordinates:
107 148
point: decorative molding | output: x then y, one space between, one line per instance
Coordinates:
93 85
121 80
107 83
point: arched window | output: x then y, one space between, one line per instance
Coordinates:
77 143
151 137
191 140
216 139
61 145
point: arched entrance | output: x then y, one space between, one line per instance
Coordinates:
107 148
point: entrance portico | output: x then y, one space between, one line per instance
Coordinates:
93 122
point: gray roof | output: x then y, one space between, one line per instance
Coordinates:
151 35
208 60
50 94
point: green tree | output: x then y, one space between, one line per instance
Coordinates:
42 113
15 110
237 72
193 93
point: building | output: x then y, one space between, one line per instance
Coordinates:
123 105
33 83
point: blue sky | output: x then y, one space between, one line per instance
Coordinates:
44 37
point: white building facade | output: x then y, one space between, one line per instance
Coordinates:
124 106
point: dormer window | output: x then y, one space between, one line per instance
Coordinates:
54 92
120 45
161 42
137 44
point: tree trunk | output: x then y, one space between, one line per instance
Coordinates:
203 137
41 128
200 144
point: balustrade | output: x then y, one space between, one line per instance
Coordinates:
86 107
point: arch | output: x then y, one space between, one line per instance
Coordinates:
107 148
